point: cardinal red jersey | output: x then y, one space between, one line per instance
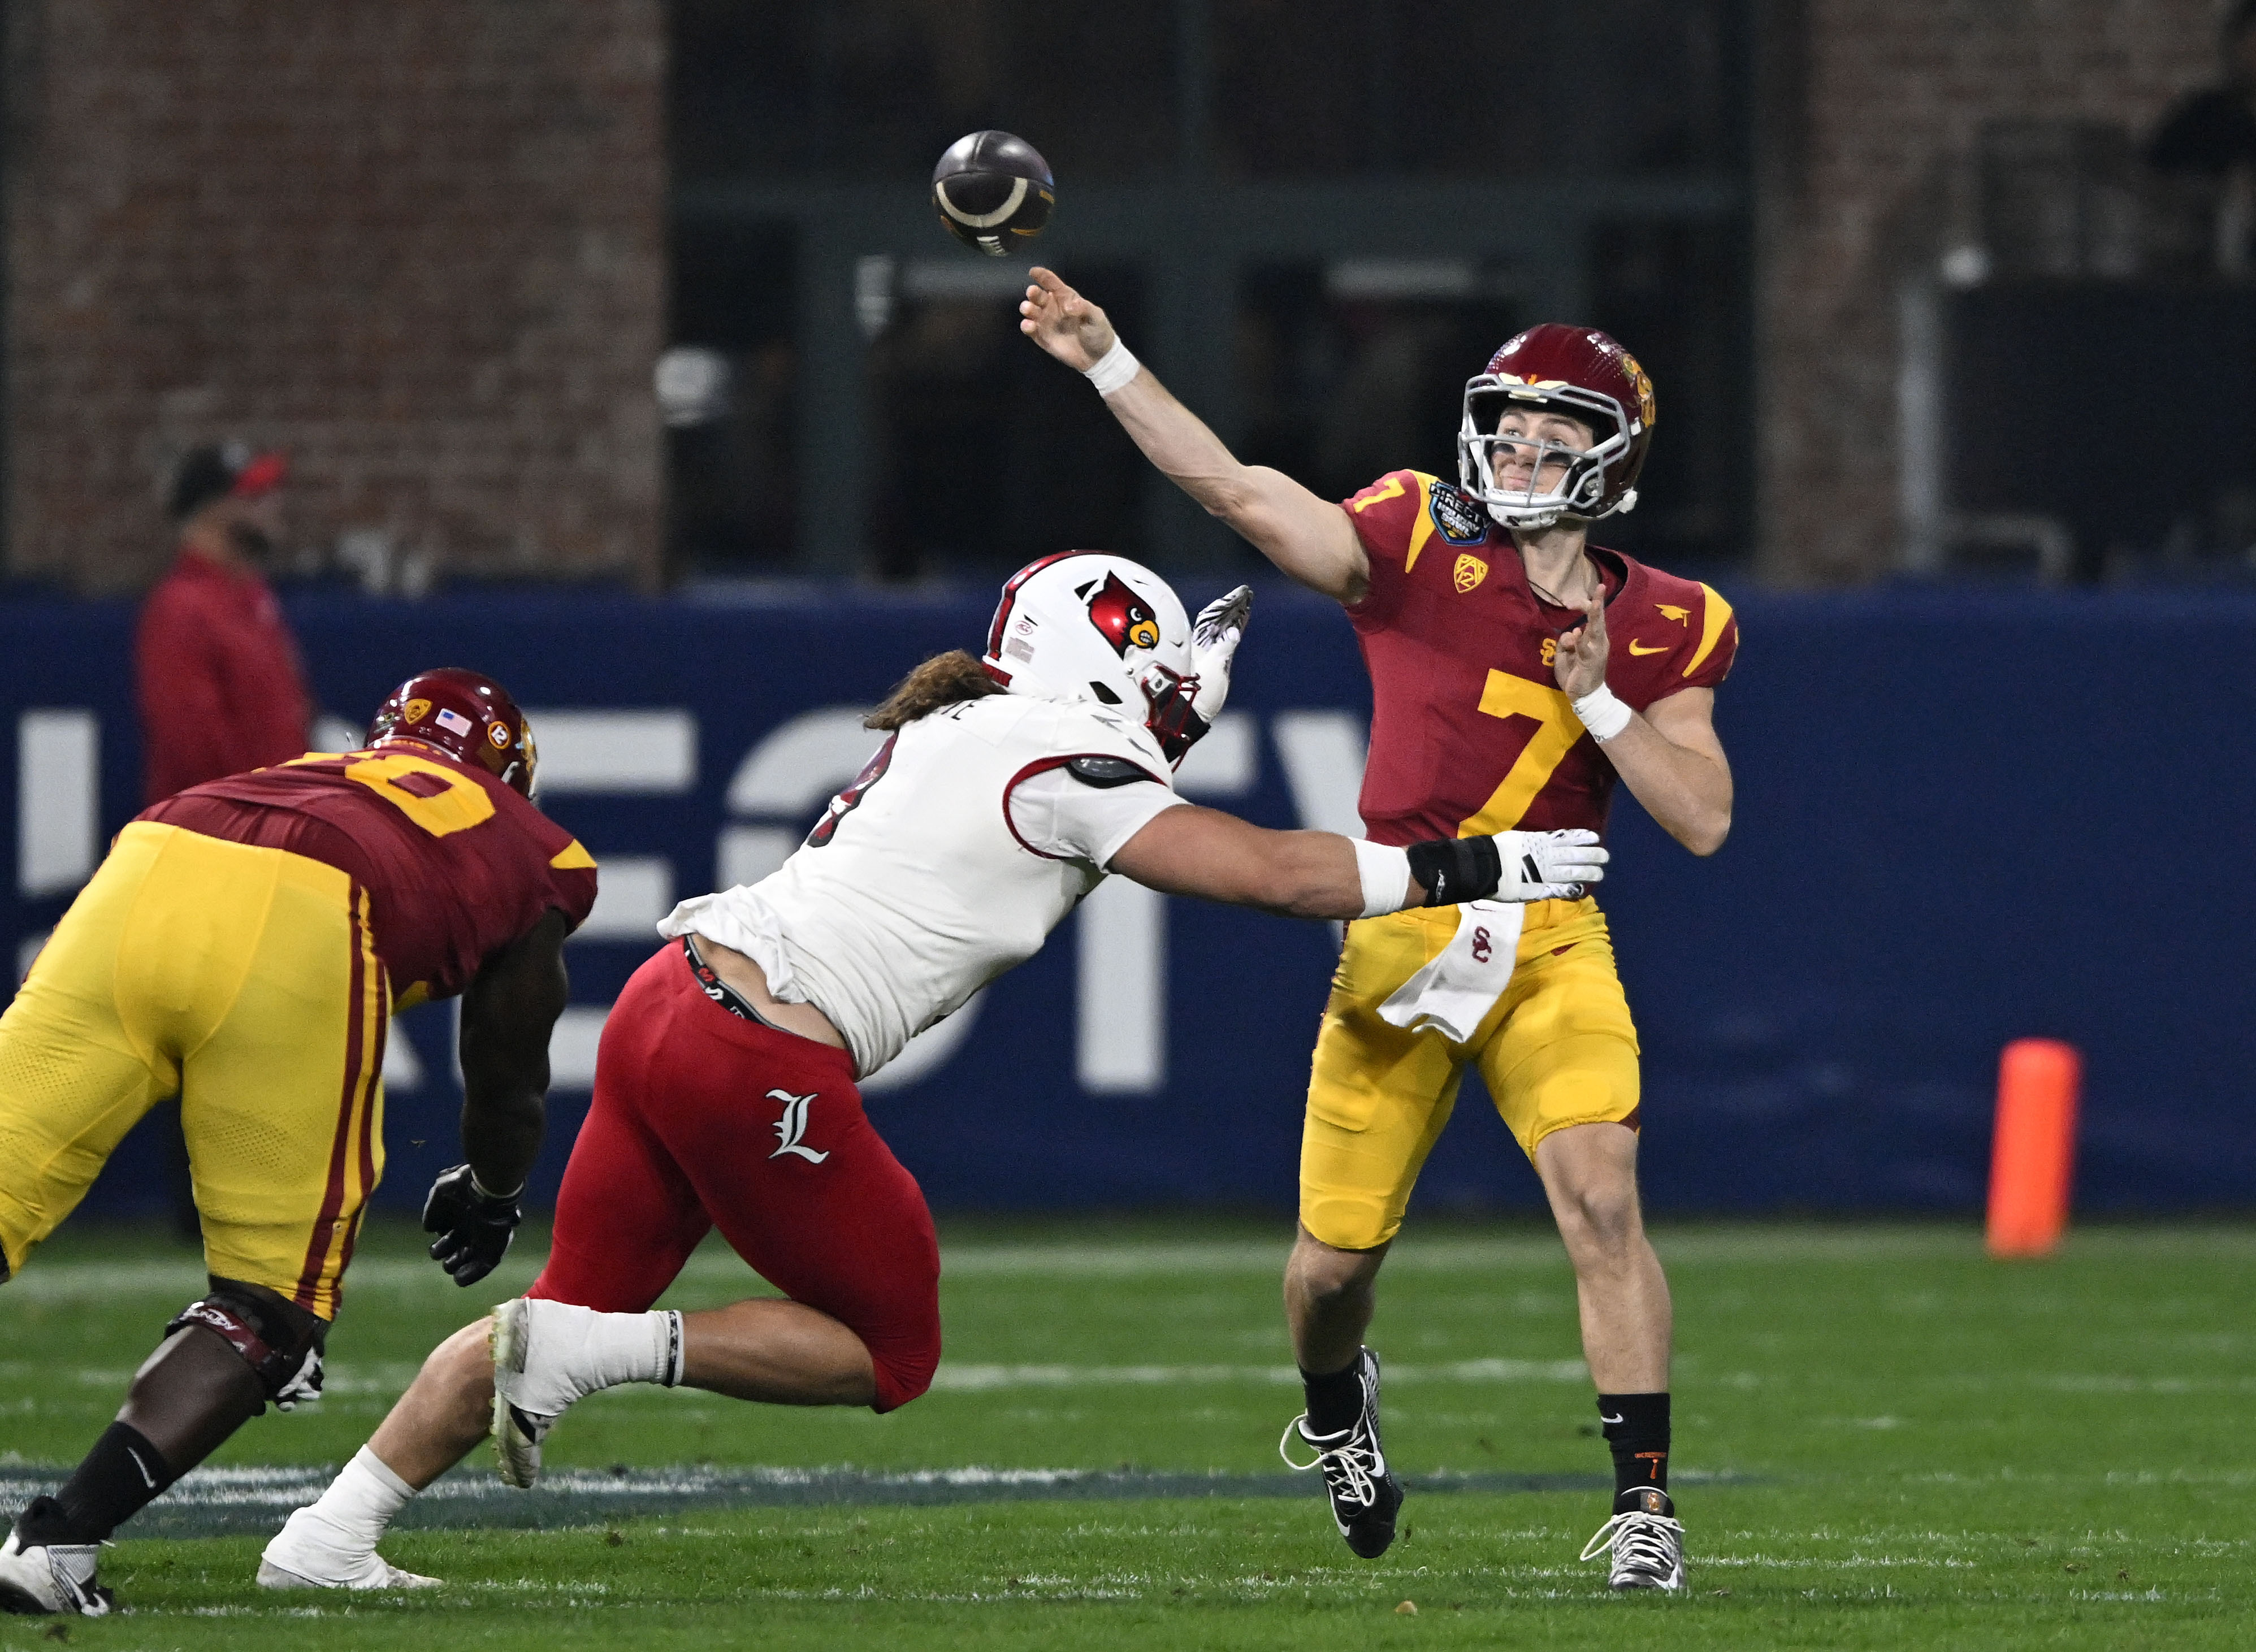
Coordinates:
456 864
1470 732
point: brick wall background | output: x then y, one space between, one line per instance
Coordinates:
418 242
422 244
1870 102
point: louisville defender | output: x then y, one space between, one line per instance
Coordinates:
244 945
1517 673
1005 789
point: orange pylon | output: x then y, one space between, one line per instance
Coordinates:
2033 1155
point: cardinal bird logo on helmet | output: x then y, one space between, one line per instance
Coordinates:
1124 618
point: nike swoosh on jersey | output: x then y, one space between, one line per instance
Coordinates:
1662 647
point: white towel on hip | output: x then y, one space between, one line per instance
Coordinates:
1453 993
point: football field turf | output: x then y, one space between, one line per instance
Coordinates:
1883 1440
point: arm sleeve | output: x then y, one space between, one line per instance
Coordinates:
1058 814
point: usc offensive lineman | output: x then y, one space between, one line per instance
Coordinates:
1007 788
245 943
1517 673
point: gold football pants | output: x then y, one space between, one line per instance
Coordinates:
1558 1049
245 980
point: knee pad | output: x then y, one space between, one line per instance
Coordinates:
279 1340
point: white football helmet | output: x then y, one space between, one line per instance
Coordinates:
1089 625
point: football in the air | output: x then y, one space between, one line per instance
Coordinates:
994 191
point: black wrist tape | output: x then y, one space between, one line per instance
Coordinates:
1455 869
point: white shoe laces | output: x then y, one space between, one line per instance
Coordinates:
1640 1541
1351 1468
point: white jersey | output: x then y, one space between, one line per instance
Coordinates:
967 838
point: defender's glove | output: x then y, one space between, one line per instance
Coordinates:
1215 634
1184 711
474 1227
1511 866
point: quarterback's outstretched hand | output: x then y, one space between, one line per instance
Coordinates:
1215 635
474 1227
1063 322
1581 666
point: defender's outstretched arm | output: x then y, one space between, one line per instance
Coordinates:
1309 538
1188 850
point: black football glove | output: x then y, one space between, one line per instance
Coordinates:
474 1227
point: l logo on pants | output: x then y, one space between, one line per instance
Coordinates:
790 1128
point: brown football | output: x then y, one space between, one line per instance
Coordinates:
994 191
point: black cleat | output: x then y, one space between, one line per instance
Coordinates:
1365 1493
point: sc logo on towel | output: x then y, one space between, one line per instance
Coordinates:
1482 946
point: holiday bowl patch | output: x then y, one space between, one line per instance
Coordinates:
1461 520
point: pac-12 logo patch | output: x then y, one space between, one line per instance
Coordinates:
1469 571
1461 521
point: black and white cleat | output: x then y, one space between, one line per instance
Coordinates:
38 1578
1364 1493
1648 1545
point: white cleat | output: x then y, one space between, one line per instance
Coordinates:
1648 1545
307 1554
524 1407
51 1578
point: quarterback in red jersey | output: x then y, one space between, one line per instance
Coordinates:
1518 673
244 945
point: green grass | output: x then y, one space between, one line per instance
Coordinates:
1885 1440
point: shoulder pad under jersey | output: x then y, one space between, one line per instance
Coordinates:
1103 772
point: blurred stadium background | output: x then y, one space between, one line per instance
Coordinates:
618 354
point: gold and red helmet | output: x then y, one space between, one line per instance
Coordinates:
467 716
1583 374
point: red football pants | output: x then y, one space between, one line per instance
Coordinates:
703 1119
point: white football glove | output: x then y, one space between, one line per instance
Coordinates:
1214 636
1547 865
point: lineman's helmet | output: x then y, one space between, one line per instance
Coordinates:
1088 625
1578 371
469 717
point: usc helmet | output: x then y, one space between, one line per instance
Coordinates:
467 716
1089 625
1578 371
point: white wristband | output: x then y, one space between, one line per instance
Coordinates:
1602 714
1385 873
1113 372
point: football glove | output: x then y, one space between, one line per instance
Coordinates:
1183 709
1511 866
1214 636
474 1227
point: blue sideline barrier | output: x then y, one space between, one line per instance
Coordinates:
1963 817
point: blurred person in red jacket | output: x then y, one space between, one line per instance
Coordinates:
216 669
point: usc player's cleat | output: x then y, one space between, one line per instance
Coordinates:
51 1578
1648 1545
1363 1492
309 1552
